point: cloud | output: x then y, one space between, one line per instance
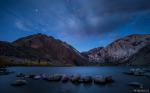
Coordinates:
102 17
22 26
76 18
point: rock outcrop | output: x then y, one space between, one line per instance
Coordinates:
118 51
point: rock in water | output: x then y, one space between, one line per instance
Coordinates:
31 76
135 72
49 78
147 74
109 79
75 78
100 80
37 77
57 77
19 83
20 75
103 79
87 79
65 78
136 84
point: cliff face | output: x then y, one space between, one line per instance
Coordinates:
120 50
142 57
44 47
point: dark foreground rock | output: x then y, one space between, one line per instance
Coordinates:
65 78
75 78
147 74
55 77
103 80
136 84
20 75
19 83
4 71
135 72
87 79
36 77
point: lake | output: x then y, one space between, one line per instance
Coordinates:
41 86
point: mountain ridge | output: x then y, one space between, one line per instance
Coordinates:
42 49
119 50
48 49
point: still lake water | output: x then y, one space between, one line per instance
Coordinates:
40 86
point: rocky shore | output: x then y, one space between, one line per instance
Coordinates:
75 78
23 78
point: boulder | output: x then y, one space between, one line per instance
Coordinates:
4 71
146 69
19 83
57 77
147 74
20 75
36 77
136 84
109 79
31 76
87 79
128 73
49 78
26 76
100 80
135 72
75 78
44 75
65 78
103 79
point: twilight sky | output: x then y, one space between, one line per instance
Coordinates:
84 24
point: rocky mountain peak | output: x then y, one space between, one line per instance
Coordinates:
120 49
50 48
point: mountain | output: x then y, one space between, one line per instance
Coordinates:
142 57
42 48
118 51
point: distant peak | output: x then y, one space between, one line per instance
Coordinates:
40 34
135 35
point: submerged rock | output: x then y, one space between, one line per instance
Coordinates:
75 78
44 75
31 76
128 73
100 80
87 79
65 78
147 75
55 77
109 79
20 75
135 72
136 84
146 69
36 77
4 71
19 83
49 78
103 79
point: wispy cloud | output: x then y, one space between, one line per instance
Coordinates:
22 25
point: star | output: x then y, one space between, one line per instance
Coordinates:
36 10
